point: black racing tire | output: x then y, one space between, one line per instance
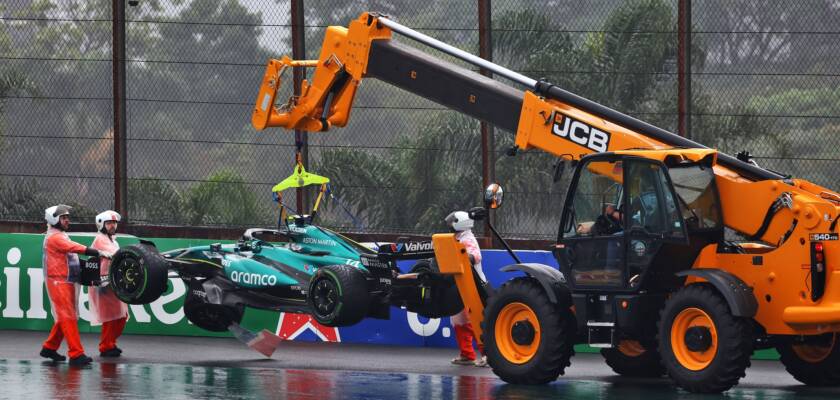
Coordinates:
814 363
631 358
445 300
138 274
338 295
527 339
704 348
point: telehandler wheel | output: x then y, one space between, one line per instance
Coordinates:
815 362
527 339
631 358
704 348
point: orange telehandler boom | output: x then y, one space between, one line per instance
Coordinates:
780 288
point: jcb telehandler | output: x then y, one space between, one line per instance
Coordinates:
646 272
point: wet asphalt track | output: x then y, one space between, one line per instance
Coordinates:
182 368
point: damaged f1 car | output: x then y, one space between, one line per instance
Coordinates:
299 267
309 269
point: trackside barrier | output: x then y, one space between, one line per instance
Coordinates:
24 303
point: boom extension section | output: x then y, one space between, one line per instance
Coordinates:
543 116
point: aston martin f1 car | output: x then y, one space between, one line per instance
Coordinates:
301 268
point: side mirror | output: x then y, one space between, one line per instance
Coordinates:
493 196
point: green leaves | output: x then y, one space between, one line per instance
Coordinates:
223 199
155 200
23 199
635 41
408 188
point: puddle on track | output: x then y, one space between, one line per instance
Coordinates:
20 379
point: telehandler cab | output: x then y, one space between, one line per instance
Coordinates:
646 272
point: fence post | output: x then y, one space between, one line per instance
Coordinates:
299 73
488 145
118 75
684 68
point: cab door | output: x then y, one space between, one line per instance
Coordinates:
596 252
653 218
592 246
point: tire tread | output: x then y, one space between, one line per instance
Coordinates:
735 342
556 349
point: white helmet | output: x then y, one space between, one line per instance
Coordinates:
459 221
53 214
106 216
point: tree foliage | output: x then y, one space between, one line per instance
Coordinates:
222 199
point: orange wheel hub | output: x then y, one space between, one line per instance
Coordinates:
814 353
517 333
686 323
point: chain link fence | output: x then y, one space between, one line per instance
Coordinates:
763 77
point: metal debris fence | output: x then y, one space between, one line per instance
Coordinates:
759 77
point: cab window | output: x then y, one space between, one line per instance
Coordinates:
652 206
597 201
697 196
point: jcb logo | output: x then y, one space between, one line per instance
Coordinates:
580 133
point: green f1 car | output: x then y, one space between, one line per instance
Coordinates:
309 270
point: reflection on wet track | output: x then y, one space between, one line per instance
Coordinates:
39 380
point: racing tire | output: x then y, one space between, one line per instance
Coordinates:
138 274
527 339
445 300
704 348
338 295
631 358
814 363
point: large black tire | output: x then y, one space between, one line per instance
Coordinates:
138 274
521 350
338 295
815 362
631 358
704 348
445 300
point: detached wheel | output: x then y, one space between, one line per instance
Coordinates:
704 348
338 295
526 338
814 361
631 358
138 274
